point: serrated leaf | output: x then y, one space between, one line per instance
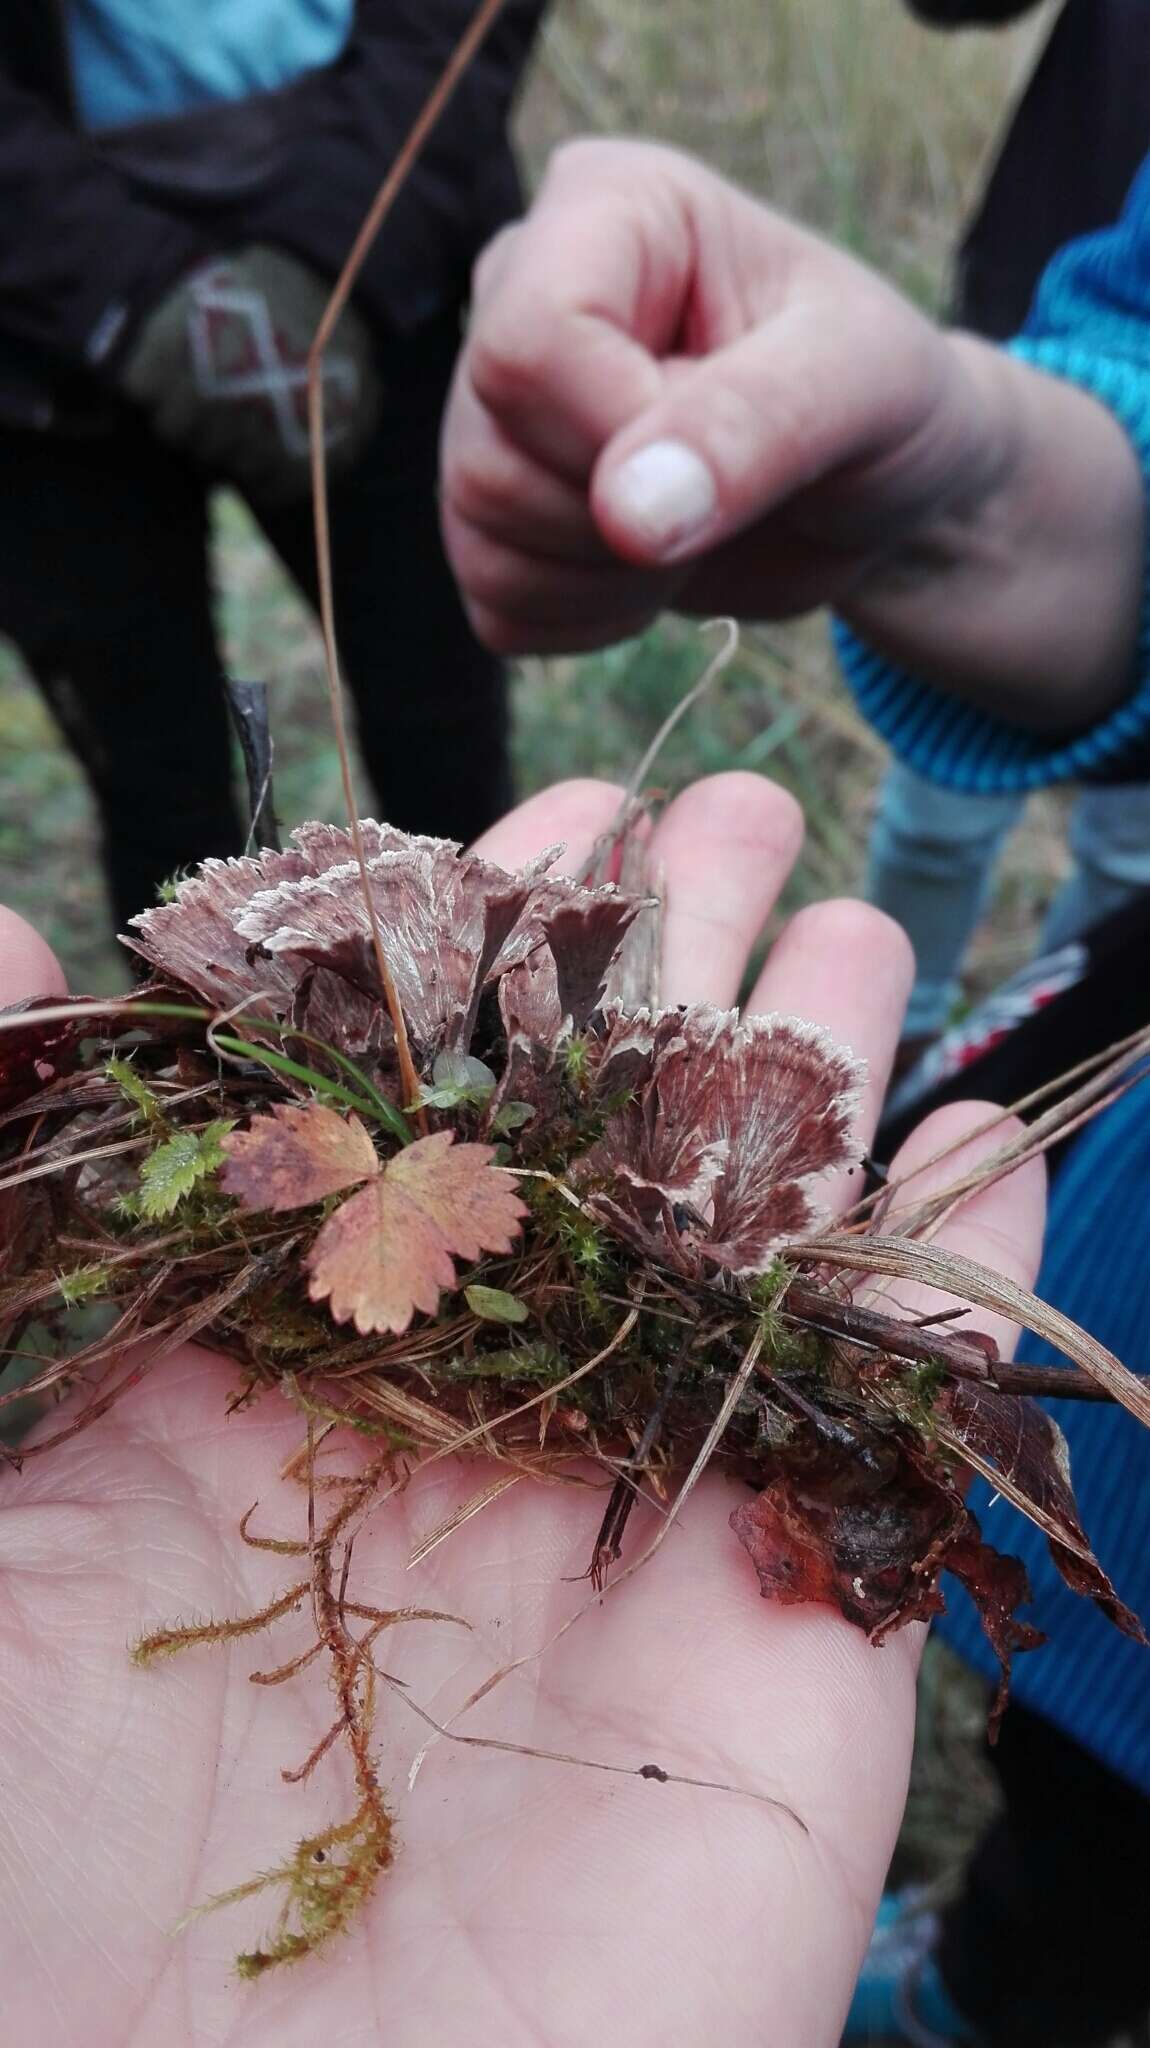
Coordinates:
495 1305
212 1150
175 1168
299 1154
390 1249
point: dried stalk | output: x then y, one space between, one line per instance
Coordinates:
385 198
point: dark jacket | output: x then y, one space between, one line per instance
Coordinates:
94 227
969 13
1069 156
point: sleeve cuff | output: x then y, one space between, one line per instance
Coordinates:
951 743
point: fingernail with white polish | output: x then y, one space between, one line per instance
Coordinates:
665 494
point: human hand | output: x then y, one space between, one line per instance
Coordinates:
221 368
662 370
672 396
530 1902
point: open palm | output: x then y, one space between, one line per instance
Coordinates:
530 1902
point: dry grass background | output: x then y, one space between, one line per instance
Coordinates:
850 117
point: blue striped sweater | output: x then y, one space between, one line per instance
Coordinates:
1090 323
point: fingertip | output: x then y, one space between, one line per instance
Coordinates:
657 503
575 812
743 806
999 1224
974 1127
846 926
28 966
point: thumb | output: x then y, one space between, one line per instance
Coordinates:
840 370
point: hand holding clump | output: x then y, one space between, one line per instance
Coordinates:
136 1796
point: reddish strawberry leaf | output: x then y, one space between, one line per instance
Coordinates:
299 1154
1022 1451
391 1248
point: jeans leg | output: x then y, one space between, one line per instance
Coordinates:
104 589
431 703
931 862
1110 840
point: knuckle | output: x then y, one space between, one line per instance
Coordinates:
510 352
585 157
492 259
483 487
498 580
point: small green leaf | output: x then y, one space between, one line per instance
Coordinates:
462 1070
212 1154
82 1283
512 1117
138 1093
495 1305
170 1174
177 1166
456 1079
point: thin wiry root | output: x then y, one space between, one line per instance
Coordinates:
282 1546
165 1642
291 1669
328 1877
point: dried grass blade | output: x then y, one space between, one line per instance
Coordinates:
904 1259
1098 1078
1003 1484
474 1506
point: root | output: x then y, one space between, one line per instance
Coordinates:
330 1876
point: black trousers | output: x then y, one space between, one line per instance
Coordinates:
105 590
1049 1944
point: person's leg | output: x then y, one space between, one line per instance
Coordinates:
104 589
1110 840
931 862
431 703
1047 1941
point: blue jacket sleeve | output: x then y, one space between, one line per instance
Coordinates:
1090 323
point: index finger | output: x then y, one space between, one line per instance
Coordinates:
719 856
28 966
578 304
